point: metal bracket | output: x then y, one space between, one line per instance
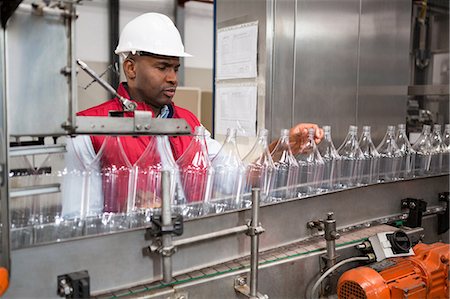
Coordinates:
241 286
158 229
2 175
443 218
142 120
416 208
74 285
254 231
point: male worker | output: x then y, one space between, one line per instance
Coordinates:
150 46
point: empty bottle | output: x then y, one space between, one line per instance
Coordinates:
259 169
390 156
286 168
423 148
371 164
332 161
438 150
229 177
351 159
446 155
311 167
408 154
196 174
147 193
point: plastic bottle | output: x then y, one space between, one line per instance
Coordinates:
423 148
229 177
286 168
147 192
332 161
351 159
438 150
259 169
311 167
371 164
408 154
196 174
390 156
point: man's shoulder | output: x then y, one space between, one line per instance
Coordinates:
186 114
102 109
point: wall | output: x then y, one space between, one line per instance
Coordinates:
330 62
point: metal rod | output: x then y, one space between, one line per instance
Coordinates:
34 190
44 10
128 105
254 249
166 219
209 236
37 150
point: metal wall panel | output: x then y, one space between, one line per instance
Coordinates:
283 66
37 94
383 64
326 64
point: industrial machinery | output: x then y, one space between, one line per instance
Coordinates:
290 248
423 275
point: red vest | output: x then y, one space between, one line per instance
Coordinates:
135 146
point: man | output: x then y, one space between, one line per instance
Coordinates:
151 48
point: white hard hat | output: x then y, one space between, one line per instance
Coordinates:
153 33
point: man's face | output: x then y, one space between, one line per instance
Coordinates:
155 79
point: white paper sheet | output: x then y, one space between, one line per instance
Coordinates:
237 51
236 108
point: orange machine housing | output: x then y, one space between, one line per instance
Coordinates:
424 275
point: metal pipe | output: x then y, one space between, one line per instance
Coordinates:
34 190
166 219
213 235
128 105
43 10
37 150
331 235
113 10
254 249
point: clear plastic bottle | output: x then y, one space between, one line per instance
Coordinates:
371 164
229 177
351 159
286 168
390 156
446 155
196 174
438 150
147 192
117 176
259 169
311 167
332 161
408 154
423 148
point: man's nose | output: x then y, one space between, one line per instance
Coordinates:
172 76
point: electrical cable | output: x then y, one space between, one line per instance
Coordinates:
326 273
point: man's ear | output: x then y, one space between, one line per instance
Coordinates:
129 68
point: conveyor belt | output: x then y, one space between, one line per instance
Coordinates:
302 248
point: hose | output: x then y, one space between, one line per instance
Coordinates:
326 273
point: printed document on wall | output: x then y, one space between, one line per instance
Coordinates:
236 51
236 108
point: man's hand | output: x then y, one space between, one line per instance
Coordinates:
298 136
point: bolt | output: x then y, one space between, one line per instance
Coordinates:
92 126
444 260
147 127
182 297
330 215
240 281
138 127
412 205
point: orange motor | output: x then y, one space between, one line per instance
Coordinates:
424 275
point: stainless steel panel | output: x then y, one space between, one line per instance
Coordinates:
283 66
116 262
326 64
383 64
37 93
